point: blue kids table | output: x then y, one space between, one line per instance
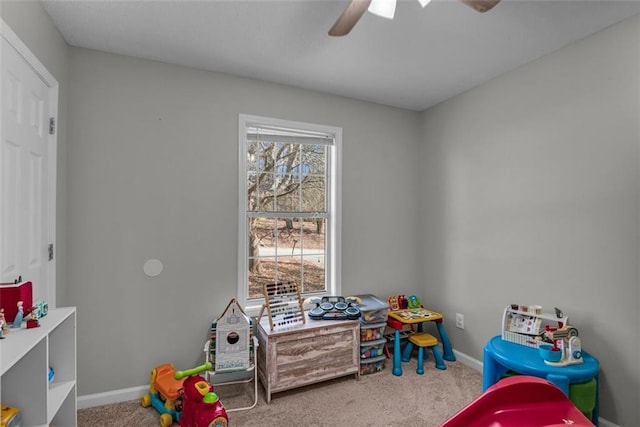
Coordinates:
501 356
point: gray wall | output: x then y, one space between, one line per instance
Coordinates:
530 195
526 190
31 23
153 173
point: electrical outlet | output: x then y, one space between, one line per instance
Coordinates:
460 320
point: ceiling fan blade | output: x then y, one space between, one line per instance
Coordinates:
481 5
349 17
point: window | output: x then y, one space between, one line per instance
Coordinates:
289 207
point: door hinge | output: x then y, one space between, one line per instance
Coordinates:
52 125
50 251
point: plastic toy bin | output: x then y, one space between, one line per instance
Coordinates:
372 365
373 309
371 332
372 349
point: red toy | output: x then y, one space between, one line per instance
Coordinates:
520 401
10 294
201 406
185 397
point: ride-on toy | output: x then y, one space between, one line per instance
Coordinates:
185 397
201 407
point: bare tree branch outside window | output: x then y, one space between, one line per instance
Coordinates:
287 213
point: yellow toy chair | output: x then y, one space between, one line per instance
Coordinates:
423 340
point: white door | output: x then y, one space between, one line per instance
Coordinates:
26 178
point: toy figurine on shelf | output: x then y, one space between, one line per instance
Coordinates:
38 311
17 322
3 324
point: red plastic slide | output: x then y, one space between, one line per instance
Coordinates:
520 401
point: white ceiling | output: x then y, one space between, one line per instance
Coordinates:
419 59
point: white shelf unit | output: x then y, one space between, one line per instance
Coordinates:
25 358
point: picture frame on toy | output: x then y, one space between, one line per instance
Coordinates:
232 342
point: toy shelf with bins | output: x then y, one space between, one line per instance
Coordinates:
372 347
522 325
25 358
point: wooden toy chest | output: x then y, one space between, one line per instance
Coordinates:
312 352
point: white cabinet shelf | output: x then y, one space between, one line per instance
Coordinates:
25 358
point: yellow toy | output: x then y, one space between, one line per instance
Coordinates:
11 417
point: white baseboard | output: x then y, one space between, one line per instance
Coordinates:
115 396
467 360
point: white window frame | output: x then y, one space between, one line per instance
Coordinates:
334 201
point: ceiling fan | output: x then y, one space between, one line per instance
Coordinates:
386 8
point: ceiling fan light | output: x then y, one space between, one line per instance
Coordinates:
384 8
423 3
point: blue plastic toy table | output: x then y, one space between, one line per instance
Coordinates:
501 356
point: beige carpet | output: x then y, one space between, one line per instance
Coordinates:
379 399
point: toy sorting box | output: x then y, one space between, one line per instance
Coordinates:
371 332
372 348
372 342
373 309
10 295
372 365
373 322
